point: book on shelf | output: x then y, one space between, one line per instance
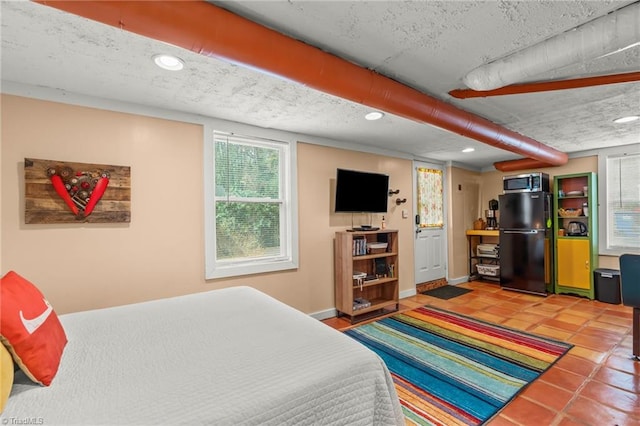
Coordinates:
359 246
360 303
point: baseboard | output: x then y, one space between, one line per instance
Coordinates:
460 280
323 315
408 293
330 313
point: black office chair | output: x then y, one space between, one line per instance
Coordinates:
630 287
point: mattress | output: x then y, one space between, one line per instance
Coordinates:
225 357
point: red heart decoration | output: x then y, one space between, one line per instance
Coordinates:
80 190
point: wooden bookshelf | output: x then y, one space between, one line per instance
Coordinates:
381 288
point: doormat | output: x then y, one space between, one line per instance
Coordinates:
453 369
447 292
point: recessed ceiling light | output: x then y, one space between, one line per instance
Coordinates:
626 119
168 62
468 150
375 115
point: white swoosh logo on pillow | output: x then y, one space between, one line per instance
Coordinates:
33 324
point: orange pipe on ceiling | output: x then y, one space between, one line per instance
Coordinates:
546 86
521 164
203 28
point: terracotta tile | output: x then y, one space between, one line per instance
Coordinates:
478 303
610 319
618 329
523 411
547 395
590 330
518 324
500 421
593 342
491 299
500 310
619 379
587 305
530 298
560 300
622 312
514 305
563 379
566 421
561 325
619 399
531 318
590 354
464 310
537 310
337 323
584 409
554 333
483 315
577 365
549 307
575 311
500 295
571 319
626 364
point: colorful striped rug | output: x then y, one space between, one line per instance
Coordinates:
450 369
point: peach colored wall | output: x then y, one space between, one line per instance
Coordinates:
160 253
317 171
465 188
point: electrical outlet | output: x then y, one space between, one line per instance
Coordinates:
405 214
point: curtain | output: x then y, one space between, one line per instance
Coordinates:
430 198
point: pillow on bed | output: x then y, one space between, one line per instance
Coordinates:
30 329
6 376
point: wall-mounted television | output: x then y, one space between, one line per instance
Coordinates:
361 192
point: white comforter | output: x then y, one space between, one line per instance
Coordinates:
226 357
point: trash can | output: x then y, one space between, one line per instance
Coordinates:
607 284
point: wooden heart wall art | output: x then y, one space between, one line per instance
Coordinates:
80 190
66 192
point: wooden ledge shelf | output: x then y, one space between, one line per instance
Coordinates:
484 232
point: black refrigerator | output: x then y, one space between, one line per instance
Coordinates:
526 242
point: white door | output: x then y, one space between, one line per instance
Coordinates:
430 222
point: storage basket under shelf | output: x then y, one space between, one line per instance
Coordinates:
489 270
569 212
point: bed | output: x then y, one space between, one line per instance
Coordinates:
225 357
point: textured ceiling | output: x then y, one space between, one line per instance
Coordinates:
428 45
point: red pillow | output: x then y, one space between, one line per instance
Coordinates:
30 328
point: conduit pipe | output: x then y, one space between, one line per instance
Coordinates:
608 34
546 86
212 31
522 164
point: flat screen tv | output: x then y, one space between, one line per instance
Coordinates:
361 192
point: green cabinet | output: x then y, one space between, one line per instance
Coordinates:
576 224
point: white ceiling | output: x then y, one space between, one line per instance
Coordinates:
428 45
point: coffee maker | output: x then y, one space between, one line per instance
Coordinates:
491 214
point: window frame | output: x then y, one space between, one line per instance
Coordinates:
288 258
603 225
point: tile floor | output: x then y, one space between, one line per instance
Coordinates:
597 383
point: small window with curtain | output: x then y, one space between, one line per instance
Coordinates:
430 198
619 203
252 231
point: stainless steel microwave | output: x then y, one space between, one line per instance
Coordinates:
528 182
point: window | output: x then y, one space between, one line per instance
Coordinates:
430 197
249 214
619 199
